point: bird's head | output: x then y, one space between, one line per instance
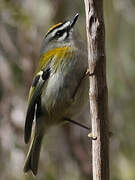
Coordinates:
59 35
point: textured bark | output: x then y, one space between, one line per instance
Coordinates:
98 92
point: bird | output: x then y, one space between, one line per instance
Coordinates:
59 91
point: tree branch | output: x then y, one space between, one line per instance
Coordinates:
98 92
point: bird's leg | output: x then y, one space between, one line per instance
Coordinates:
79 84
86 73
81 125
77 123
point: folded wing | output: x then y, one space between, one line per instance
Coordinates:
34 100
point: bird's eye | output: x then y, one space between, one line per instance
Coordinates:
59 33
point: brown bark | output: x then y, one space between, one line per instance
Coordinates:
98 92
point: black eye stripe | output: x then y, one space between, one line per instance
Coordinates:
60 32
59 26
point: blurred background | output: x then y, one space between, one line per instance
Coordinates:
66 152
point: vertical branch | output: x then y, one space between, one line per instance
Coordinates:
98 92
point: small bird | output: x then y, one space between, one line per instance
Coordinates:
59 90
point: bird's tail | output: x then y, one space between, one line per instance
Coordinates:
31 163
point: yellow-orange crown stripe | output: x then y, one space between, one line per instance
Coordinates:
54 26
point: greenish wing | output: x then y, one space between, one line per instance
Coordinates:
35 100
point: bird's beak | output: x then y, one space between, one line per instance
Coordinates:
74 20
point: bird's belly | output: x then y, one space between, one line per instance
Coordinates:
58 96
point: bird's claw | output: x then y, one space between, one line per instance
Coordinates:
90 135
88 72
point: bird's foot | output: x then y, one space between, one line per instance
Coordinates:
90 135
88 72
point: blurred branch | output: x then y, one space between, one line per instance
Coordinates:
59 11
78 151
6 42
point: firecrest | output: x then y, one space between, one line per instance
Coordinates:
59 90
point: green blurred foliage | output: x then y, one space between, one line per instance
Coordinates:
120 41
22 28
